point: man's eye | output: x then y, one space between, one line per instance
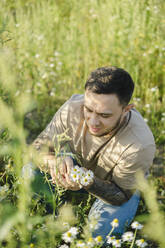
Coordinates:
105 116
88 110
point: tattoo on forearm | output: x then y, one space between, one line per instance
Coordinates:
109 192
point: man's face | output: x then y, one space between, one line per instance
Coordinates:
102 112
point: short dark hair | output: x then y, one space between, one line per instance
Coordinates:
111 80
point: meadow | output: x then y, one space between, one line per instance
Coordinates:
47 50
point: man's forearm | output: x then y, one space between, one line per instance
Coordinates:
109 192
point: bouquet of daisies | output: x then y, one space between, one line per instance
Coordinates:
81 175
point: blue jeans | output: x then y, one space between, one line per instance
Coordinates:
106 212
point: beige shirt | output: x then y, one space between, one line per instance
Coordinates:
131 149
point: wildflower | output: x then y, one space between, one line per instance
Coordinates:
154 89
31 245
56 54
85 181
117 243
67 237
136 225
52 93
146 120
44 75
115 223
99 240
75 177
147 105
80 243
90 242
37 56
110 239
127 236
51 65
64 246
74 231
141 243
89 174
81 176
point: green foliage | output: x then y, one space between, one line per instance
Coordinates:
47 50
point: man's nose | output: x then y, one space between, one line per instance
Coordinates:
94 120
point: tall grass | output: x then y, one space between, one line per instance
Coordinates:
47 50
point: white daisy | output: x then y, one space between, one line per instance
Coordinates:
110 239
80 243
141 243
67 237
74 176
127 236
73 231
89 174
90 242
117 243
64 246
115 223
99 240
84 181
136 225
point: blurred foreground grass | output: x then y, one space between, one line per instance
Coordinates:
47 50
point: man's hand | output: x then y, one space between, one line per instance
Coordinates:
60 169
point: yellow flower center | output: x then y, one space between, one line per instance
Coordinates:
90 239
99 238
69 234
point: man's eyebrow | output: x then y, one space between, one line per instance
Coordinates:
105 113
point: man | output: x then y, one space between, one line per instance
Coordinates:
106 135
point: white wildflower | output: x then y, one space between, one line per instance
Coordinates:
85 181
154 89
37 56
44 75
111 239
91 242
115 223
80 243
141 243
52 93
74 231
68 237
89 174
51 65
99 240
117 243
136 225
146 120
127 236
147 105
64 246
56 53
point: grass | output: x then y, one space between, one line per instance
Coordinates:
47 50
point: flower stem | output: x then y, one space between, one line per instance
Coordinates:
133 241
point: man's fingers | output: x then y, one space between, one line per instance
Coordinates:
69 164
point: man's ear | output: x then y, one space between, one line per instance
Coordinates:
129 107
